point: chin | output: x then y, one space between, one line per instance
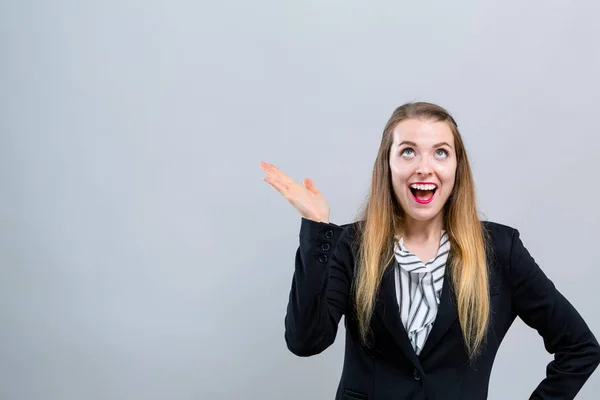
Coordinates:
422 216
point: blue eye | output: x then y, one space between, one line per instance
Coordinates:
441 153
408 152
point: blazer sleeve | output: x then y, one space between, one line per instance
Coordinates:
566 335
320 288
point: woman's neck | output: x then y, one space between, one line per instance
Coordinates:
415 231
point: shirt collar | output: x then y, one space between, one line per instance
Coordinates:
444 246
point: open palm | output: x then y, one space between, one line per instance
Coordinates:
307 199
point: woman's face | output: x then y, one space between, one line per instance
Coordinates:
423 167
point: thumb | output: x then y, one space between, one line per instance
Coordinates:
310 186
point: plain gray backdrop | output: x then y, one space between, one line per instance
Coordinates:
141 254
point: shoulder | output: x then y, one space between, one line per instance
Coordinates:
499 240
497 230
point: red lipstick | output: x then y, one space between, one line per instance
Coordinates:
414 192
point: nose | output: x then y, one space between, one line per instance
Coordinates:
424 168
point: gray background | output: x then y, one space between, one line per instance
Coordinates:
141 254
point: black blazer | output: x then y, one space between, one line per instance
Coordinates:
389 368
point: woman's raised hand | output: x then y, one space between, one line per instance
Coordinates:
307 199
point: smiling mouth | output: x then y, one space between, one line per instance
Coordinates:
423 193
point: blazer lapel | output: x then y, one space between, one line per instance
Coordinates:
446 315
387 309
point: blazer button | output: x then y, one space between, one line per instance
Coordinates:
325 246
416 375
323 258
329 234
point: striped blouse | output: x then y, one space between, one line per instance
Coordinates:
418 289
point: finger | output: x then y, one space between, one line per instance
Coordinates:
277 178
280 174
269 169
277 185
311 186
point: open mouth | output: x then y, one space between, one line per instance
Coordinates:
423 193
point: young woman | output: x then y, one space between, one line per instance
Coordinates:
428 290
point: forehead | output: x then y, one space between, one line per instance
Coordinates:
423 132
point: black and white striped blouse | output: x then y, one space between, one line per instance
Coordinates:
418 289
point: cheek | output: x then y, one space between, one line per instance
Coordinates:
450 186
399 179
448 177
398 173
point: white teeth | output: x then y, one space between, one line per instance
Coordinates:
423 187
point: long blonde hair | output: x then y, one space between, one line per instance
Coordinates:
382 218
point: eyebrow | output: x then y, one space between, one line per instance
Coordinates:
415 145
